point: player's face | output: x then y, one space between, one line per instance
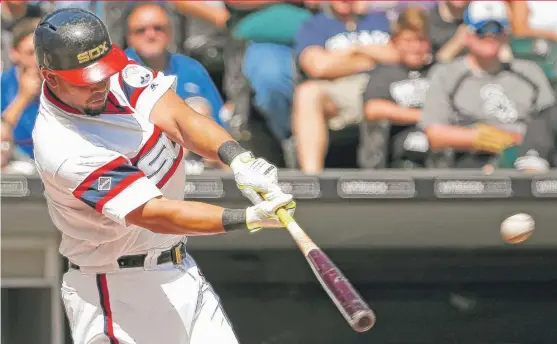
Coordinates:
149 31
90 100
414 48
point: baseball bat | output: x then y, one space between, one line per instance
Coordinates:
351 305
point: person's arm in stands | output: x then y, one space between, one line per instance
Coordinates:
519 22
379 46
29 89
381 53
386 109
379 103
319 63
453 47
199 9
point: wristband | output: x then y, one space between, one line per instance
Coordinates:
234 219
229 150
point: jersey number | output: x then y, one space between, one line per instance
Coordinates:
159 160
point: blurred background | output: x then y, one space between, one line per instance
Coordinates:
407 130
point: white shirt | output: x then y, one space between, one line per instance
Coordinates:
98 169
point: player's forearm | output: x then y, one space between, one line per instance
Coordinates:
185 218
377 109
450 136
204 136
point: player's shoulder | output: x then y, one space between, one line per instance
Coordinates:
134 75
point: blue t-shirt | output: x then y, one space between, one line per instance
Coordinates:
330 33
193 80
24 128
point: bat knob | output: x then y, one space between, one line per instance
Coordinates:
363 321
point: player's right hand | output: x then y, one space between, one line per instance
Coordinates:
263 214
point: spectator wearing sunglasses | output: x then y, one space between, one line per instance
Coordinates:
477 106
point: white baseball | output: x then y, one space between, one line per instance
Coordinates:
517 228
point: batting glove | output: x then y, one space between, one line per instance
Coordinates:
254 176
263 214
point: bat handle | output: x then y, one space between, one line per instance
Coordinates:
285 217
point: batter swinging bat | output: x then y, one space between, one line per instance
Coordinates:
350 304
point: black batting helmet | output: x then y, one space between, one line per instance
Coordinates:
75 44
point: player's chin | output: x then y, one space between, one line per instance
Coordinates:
94 109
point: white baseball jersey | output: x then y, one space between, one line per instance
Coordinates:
98 169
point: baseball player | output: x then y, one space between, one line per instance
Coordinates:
109 142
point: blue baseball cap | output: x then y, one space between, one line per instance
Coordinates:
484 17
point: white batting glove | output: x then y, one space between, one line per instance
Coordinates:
263 214
254 176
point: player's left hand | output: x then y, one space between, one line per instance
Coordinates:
254 176
264 214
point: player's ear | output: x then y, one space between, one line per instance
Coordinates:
50 78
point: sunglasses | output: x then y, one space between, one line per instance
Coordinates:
491 29
143 29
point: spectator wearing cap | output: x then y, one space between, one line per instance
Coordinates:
336 48
11 13
394 97
477 106
447 30
148 36
21 86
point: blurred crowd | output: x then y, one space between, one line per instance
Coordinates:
317 84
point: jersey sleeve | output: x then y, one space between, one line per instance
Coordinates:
108 183
143 87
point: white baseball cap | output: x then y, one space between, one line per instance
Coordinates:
481 15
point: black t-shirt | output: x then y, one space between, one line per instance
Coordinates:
441 31
400 84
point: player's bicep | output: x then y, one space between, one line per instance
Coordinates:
166 113
109 184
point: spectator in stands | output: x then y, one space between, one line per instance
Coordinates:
12 160
148 36
476 105
394 97
336 48
538 151
447 31
534 19
21 85
13 11
268 64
